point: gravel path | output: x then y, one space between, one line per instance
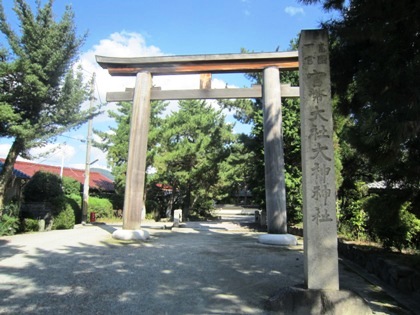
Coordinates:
200 268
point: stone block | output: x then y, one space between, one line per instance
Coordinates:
295 300
278 239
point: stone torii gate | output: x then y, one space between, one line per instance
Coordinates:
312 60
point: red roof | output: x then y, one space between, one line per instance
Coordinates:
96 179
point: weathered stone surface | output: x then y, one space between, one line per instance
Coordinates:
294 300
131 235
318 173
278 239
275 187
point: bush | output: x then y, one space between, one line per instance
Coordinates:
352 215
47 187
30 225
43 186
101 206
391 221
65 218
75 201
71 186
9 220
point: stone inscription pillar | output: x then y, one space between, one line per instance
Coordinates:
275 191
319 206
137 151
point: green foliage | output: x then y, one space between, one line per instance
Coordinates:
65 218
352 216
40 94
30 225
71 186
391 221
375 65
75 201
251 112
8 224
102 207
43 186
9 219
156 201
47 187
194 142
116 143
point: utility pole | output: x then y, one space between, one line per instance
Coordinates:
88 147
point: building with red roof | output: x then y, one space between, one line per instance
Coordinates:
25 170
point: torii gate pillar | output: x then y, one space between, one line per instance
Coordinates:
136 164
275 189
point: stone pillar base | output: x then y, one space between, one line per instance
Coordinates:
278 239
127 235
295 300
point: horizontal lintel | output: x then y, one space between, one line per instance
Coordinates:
157 94
196 64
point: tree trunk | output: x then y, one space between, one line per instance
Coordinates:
7 171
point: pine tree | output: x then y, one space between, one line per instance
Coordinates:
40 94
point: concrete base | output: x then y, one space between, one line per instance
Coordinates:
278 239
294 300
127 235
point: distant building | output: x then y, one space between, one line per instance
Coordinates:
23 171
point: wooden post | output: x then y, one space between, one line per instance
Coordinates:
205 81
275 190
86 183
318 176
137 151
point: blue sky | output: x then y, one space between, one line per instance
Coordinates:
128 28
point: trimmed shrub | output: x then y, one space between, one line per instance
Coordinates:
43 186
65 219
75 201
47 187
101 206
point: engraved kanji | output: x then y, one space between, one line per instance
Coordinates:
318 113
317 94
318 132
321 217
321 193
322 59
316 78
320 171
309 60
319 151
322 48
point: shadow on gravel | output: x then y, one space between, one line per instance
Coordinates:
200 271
173 273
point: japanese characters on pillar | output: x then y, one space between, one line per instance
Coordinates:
320 231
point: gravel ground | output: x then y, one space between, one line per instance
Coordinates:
198 268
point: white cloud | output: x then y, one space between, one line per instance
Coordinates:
53 153
120 44
292 11
4 150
